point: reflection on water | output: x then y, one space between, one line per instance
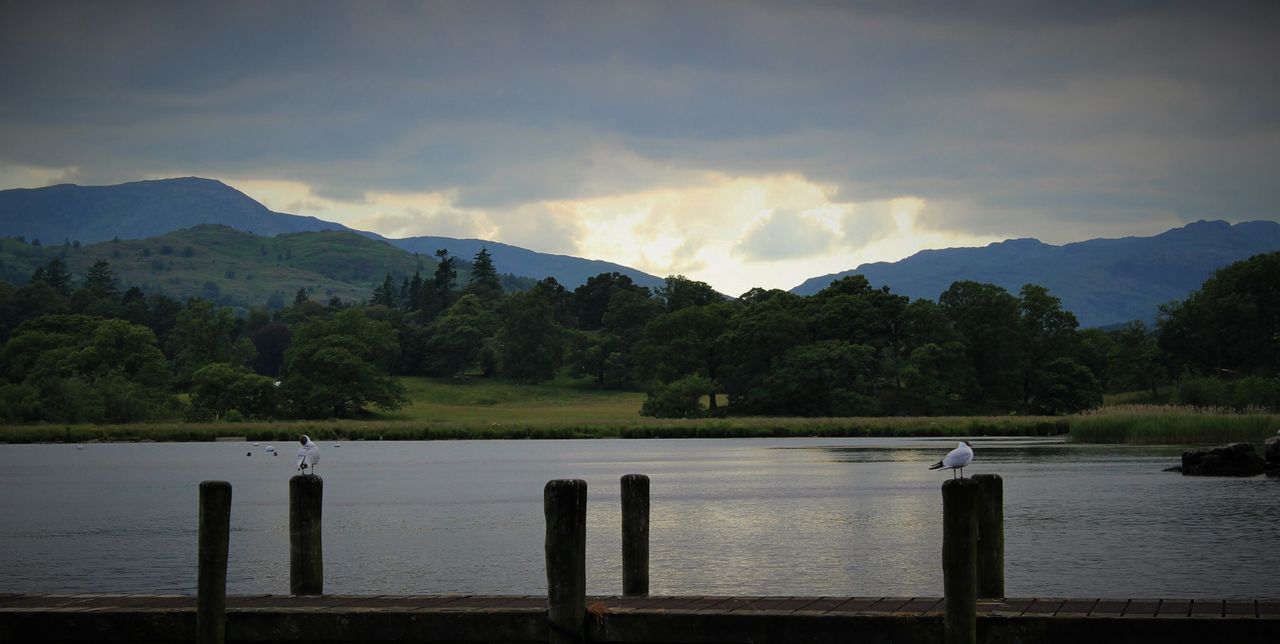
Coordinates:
729 517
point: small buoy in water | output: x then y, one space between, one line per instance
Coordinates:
271 448
337 444
256 444
248 453
79 446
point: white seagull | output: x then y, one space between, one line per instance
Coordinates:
308 454
956 459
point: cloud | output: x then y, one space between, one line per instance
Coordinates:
26 176
785 235
673 137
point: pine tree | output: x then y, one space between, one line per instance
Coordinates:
484 277
385 294
55 275
100 280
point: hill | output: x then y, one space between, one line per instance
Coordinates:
142 209
1102 281
229 266
571 272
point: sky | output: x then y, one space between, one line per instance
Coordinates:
744 144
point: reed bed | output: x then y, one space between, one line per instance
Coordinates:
1173 425
545 429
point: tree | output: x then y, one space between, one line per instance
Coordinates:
203 335
385 295
100 295
484 276
100 280
986 318
75 368
609 354
850 310
591 299
530 343
681 292
439 296
270 343
55 274
932 379
1231 325
1064 386
334 368
677 399
31 301
1046 332
825 378
757 338
1135 360
219 388
686 342
458 337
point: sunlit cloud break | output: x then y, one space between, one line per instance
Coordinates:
735 233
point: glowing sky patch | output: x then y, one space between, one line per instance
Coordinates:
734 233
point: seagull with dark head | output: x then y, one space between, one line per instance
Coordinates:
308 454
956 459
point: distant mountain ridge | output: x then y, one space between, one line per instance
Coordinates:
1102 281
568 270
141 209
144 209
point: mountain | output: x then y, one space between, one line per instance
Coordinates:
571 272
142 209
1102 281
229 266
138 210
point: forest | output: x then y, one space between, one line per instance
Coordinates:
86 348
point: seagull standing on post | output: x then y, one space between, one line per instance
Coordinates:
956 459
308 454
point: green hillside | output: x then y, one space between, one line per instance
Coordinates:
231 267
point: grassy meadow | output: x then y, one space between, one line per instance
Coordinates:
480 409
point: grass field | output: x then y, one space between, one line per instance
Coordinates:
479 409
485 401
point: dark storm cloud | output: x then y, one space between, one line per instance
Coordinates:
1046 112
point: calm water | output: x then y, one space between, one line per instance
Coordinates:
729 517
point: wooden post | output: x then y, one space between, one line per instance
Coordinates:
991 536
565 505
960 498
635 534
306 563
214 540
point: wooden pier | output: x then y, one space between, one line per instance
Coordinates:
635 620
972 567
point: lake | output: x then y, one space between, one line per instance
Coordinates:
729 517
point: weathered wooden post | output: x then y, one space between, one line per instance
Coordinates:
211 582
990 536
960 498
306 563
635 534
565 505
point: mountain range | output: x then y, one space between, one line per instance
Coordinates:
1103 281
142 209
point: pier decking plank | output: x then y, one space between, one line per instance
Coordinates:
1037 607
520 619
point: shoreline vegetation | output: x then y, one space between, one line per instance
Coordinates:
1147 425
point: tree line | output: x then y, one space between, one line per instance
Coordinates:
89 350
